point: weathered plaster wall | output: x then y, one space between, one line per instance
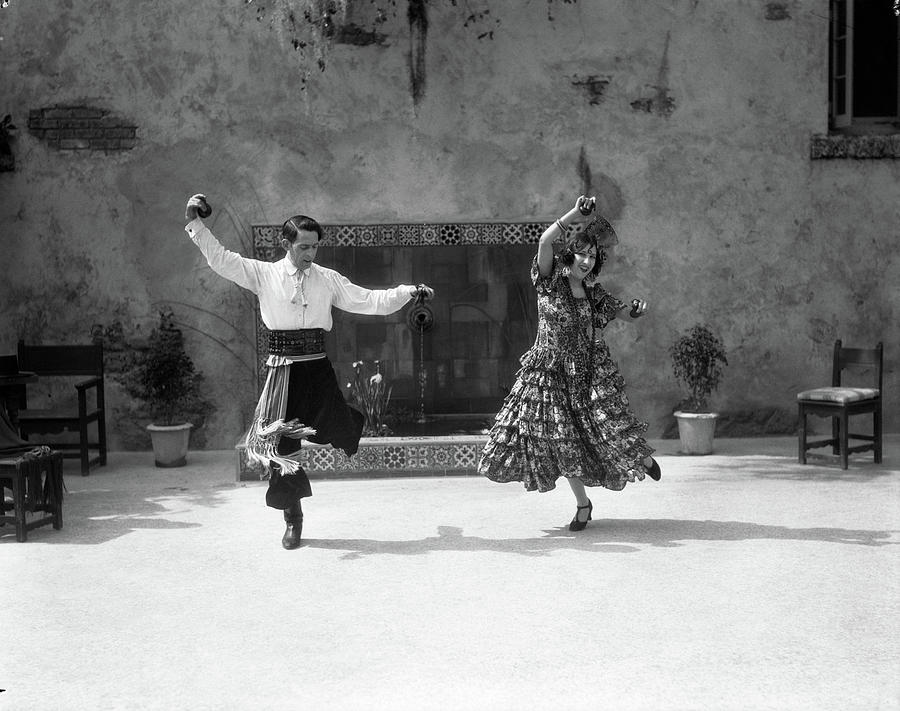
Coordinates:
690 119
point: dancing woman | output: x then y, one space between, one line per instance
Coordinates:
567 415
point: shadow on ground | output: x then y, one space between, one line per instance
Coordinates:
824 469
96 516
607 536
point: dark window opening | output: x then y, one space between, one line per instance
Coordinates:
863 66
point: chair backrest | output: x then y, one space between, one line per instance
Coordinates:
9 364
867 360
62 360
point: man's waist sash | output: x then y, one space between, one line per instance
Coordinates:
303 341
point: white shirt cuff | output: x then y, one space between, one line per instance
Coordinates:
194 226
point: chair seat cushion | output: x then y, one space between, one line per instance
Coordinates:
840 396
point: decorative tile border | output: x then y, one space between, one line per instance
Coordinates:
824 147
447 234
382 457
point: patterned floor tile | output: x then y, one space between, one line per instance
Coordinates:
394 457
370 457
465 456
443 457
417 458
322 459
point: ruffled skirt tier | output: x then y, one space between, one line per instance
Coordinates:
565 419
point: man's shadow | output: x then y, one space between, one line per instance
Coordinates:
607 536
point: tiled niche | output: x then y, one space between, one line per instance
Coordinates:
484 307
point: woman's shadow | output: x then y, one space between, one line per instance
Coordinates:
608 536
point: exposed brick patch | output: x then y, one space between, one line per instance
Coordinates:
824 147
82 128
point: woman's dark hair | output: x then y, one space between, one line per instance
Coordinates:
300 223
578 242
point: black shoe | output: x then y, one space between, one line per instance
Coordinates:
293 517
577 525
654 471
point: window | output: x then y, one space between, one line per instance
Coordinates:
863 94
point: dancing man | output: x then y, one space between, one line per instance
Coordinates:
567 414
301 397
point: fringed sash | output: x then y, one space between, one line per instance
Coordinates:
268 426
262 440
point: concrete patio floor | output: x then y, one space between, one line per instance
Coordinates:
741 581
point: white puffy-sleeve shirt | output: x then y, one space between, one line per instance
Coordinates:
289 298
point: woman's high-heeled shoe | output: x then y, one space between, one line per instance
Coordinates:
653 471
577 525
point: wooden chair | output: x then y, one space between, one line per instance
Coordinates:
840 402
67 362
36 482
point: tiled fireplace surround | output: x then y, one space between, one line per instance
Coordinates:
484 319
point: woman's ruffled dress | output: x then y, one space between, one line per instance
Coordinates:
567 415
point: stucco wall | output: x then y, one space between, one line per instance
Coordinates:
691 120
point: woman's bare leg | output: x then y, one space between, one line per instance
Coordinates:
580 496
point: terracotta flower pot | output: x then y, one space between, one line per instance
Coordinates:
696 431
170 444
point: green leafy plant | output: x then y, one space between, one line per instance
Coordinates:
164 378
697 360
372 394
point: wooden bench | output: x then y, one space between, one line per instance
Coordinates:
79 361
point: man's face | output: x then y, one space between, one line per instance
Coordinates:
302 250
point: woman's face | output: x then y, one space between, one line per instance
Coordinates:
584 259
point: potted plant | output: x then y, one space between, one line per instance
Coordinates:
697 360
164 378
